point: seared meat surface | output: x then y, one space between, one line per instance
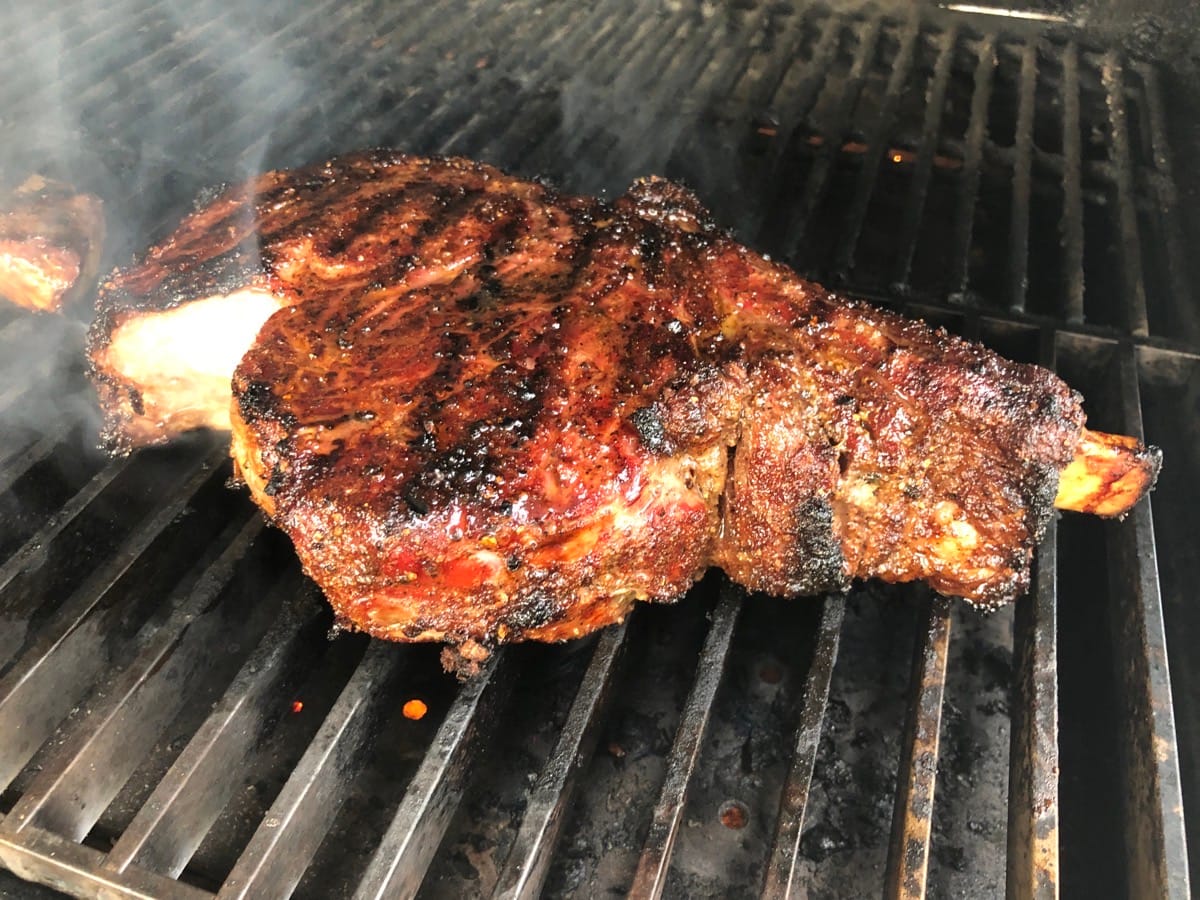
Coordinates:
51 239
486 411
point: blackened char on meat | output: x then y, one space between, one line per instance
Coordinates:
487 411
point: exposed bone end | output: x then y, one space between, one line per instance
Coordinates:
163 372
1109 474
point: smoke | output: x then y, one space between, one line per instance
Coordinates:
142 105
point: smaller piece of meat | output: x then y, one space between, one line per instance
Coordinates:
51 239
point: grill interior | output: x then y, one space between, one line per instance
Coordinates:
176 719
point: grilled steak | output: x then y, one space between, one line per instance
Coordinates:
51 239
486 411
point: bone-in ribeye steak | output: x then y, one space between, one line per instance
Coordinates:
486 411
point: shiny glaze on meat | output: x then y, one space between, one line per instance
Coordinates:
491 411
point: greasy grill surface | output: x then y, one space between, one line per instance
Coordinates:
175 720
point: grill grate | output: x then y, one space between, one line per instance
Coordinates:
1014 184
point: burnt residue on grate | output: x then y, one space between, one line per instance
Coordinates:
179 718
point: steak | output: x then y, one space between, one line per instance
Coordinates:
51 240
487 411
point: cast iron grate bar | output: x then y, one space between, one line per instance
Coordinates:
651 876
1033 755
30 90
529 859
103 749
968 193
781 872
30 455
1128 241
786 226
284 843
792 99
33 549
916 777
1022 184
876 141
918 189
295 131
1168 197
449 121
519 137
1153 817
177 816
1071 225
650 50
399 863
68 654
45 857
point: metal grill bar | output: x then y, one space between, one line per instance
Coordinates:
796 93
964 218
17 465
1022 187
529 860
67 655
787 226
41 856
1033 756
912 819
1186 319
652 868
1129 243
83 775
287 838
407 848
520 136
935 101
1071 224
1154 823
33 549
881 125
172 823
781 875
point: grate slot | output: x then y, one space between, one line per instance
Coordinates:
780 876
450 121
1184 313
1128 243
289 835
1033 757
529 859
786 225
872 159
32 90
1154 827
655 860
33 551
173 822
17 465
912 819
68 655
522 136
968 197
793 99
1022 184
84 773
918 190
399 864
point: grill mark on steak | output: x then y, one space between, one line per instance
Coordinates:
521 411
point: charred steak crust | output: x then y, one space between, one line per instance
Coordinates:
492 411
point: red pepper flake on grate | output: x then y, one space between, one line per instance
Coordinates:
297 706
